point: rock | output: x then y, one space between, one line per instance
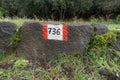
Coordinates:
33 46
116 46
110 75
100 29
6 33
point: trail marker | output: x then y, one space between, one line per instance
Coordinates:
55 32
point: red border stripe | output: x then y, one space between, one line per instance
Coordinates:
65 32
45 32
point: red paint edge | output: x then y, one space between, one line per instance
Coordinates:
45 32
65 32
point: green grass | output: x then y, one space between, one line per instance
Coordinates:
111 25
114 27
64 67
17 21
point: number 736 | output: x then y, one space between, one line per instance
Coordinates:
54 31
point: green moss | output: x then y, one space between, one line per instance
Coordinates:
101 41
101 53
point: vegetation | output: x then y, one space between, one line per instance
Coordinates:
95 63
65 68
60 9
98 58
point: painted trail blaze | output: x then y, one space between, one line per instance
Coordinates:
55 32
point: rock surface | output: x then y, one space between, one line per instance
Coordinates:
116 46
6 33
34 46
100 29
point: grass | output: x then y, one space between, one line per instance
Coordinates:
66 67
110 24
74 66
114 27
17 21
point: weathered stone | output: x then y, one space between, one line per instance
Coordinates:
6 33
117 43
34 46
100 29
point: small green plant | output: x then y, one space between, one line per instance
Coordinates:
101 41
16 40
21 63
1 72
14 44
